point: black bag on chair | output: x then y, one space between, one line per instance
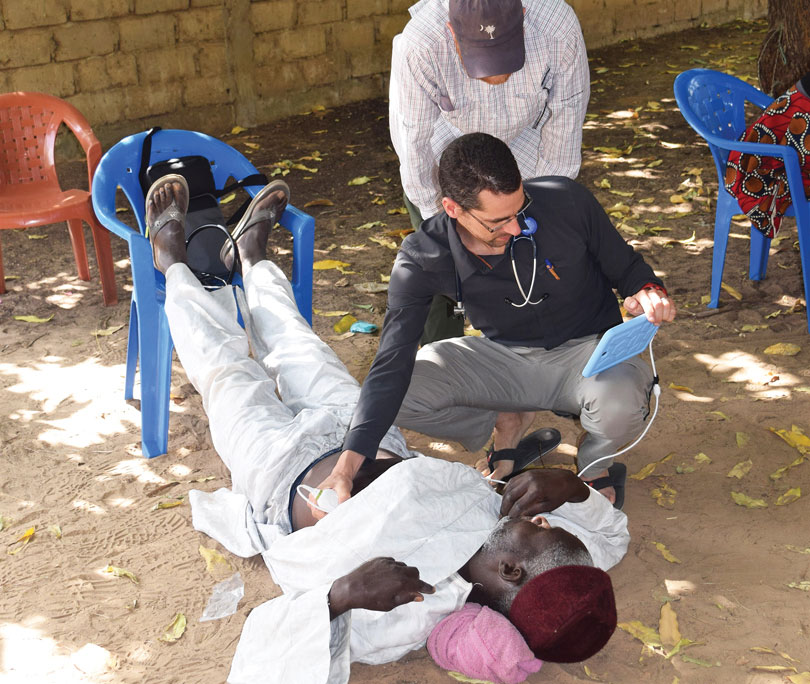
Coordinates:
205 224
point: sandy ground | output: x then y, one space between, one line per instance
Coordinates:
71 468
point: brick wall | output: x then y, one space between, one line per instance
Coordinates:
210 64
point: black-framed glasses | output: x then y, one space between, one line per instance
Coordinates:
498 226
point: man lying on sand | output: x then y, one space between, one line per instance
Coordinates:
419 537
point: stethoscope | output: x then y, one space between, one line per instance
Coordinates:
526 233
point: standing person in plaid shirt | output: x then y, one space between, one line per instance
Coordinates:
516 71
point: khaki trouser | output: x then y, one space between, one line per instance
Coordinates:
459 385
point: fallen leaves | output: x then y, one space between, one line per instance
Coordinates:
664 495
214 561
175 629
744 500
106 332
779 349
666 553
732 291
22 540
741 469
648 469
33 319
681 388
344 324
789 496
361 180
319 203
327 264
804 585
120 572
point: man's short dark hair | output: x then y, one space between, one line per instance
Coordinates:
476 162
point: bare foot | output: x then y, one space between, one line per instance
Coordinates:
509 428
166 233
253 242
258 221
608 492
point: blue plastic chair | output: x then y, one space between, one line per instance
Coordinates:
713 104
150 343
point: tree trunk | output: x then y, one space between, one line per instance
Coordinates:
785 53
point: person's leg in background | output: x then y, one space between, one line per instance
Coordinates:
441 323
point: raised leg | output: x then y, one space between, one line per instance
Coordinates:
307 371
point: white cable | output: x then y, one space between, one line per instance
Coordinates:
656 390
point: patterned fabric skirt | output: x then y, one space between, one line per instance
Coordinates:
759 183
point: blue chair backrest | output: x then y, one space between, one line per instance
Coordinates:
122 164
713 103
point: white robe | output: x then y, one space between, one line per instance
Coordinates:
428 513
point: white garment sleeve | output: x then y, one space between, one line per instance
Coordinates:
290 640
557 139
602 528
412 114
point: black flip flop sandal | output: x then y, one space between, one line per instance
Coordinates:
616 478
531 448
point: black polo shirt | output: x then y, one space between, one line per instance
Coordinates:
574 240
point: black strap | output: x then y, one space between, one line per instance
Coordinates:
146 153
252 179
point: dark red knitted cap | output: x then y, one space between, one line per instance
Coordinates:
566 614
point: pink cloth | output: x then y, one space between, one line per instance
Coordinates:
481 643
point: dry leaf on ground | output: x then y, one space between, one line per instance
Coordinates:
666 553
744 500
120 572
175 629
789 496
783 349
741 469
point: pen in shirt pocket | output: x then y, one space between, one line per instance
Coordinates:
550 268
543 86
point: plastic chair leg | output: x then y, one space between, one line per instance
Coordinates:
106 269
726 208
132 350
758 258
156 368
79 250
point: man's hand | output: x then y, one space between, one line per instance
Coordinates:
540 491
340 479
379 584
654 304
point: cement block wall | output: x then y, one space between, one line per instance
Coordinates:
211 64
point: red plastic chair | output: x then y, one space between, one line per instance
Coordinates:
30 194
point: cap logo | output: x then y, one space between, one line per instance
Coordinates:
489 30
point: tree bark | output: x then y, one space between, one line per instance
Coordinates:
785 53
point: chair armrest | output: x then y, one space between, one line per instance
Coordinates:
788 155
113 223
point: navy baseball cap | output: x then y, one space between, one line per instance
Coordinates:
489 35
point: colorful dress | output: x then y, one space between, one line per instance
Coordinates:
759 183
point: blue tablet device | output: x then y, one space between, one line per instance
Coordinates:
619 344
